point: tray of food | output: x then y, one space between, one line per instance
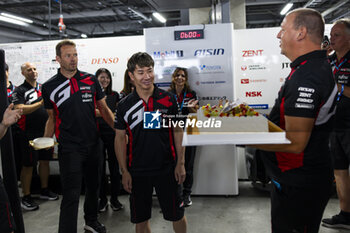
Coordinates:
231 123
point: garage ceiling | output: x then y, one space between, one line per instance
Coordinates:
129 17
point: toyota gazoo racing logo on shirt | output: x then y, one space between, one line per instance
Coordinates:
209 52
155 120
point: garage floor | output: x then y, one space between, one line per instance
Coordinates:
247 213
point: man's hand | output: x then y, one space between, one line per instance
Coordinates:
127 181
180 173
11 116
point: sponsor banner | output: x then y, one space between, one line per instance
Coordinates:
208 61
111 53
162 85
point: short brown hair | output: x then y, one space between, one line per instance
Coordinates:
312 20
141 59
346 22
61 44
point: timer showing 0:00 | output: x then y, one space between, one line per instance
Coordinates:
189 34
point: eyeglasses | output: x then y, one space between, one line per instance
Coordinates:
182 75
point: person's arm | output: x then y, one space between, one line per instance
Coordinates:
180 172
105 112
50 123
120 149
10 117
346 90
29 108
298 131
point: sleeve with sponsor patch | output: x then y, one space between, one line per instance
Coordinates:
18 96
304 98
99 90
119 122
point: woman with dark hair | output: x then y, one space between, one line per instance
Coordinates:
107 135
128 86
187 103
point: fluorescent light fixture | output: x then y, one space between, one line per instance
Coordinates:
14 21
286 8
83 35
159 17
16 18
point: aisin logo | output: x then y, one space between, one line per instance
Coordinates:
151 120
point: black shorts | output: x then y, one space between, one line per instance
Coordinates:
7 223
30 156
298 209
168 193
340 148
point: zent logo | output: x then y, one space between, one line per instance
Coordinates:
252 53
151 120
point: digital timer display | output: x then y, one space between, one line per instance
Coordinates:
189 34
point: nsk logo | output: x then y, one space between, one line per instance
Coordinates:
253 94
105 60
252 53
208 52
168 54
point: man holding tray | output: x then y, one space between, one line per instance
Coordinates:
301 172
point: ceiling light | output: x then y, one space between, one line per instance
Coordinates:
14 21
159 17
83 35
286 8
16 18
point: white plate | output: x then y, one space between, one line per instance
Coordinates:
43 142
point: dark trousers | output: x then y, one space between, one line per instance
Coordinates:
298 209
108 151
190 154
84 163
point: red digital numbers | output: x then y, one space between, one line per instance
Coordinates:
187 35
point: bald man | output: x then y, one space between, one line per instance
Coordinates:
28 97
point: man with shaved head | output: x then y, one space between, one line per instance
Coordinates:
27 96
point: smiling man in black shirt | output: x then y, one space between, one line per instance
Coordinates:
301 172
155 157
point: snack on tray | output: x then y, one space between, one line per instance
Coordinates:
230 109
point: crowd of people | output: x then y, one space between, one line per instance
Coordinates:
93 124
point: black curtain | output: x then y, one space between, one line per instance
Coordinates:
7 155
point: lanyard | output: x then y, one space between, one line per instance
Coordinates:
183 100
340 93
11 91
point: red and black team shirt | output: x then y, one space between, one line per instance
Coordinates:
341 71
74 102
34 123
112 101
309 91
151 151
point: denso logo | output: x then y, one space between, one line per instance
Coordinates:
208 52
168 54
105 60
252 53
253 94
